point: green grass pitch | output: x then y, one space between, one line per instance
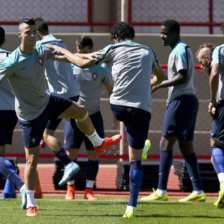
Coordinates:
109 210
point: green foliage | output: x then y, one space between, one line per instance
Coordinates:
109 210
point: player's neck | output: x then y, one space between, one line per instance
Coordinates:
26 50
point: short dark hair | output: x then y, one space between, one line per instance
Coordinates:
42 28
84 41
2 36
28 21
172 25
122 31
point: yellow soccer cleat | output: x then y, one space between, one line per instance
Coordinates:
129 213
155 197
146 149
220 202
194 197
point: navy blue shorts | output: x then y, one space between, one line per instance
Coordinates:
136 123
8 120
217 133
73 137
180 117
32 131
53 123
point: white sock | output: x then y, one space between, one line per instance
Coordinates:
71 182
144 148
199 192
95 139
221 177
30 198
161 192
129 207
90 183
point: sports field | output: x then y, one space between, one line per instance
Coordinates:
109 210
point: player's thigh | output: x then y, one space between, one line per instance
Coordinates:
136 123
74 111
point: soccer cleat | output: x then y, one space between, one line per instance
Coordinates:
108 141
194 197
70 194
89 194
147 147
220 202
155 197
70 170
31 212
22 194
129 213
42 144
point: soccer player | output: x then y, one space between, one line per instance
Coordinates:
8 120
131 65
24 69
61 82
216 109
180 116
91 82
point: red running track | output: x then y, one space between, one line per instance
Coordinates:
105 182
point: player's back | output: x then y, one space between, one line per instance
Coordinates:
131 66
59 74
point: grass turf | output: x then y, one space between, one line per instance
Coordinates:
109 210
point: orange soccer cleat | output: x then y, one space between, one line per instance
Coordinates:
108 141
89 194
31 212
70 194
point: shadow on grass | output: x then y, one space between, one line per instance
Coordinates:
180 216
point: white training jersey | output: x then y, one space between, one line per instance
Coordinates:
180 58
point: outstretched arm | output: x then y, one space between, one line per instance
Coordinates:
81 60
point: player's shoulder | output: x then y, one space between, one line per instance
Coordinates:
50 39
218 49
180 48
12 58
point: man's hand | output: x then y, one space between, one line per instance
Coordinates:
211 108
56 49
154 88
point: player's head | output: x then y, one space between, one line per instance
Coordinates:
84 44
2 36
42 26
121 32
170 32
204 55
28 32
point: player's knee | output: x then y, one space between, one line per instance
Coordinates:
82 116
163 145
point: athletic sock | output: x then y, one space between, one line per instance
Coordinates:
95 139
166 158
222 185
193 170
218 159
8 170
161 192
30 199
71 182
63 157
135 181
